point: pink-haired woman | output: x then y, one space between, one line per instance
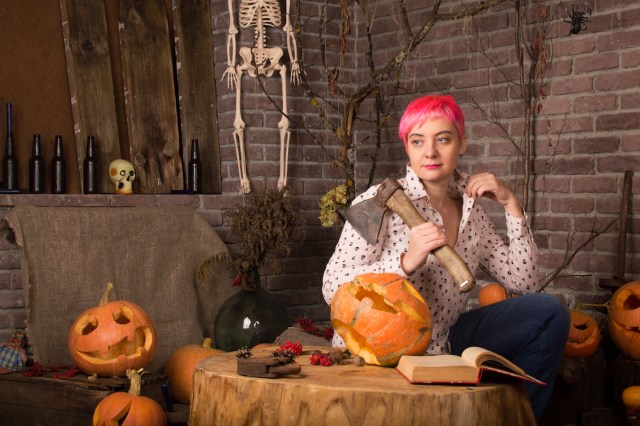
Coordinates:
530 330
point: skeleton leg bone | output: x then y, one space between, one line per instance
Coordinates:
283 125
238 136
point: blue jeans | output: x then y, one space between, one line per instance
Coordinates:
530 330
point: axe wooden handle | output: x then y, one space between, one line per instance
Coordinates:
402 205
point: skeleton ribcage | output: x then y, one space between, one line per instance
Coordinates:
251 9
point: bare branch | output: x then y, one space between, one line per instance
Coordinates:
569 254
405 19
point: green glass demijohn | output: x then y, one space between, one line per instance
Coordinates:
249 317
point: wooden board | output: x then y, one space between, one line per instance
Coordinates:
196 83
89 70
152 118
348 395
64 402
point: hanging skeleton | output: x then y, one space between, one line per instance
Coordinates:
256 61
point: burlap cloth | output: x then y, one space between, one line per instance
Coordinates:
150 254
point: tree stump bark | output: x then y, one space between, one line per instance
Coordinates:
347 395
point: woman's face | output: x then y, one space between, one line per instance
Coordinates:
433 148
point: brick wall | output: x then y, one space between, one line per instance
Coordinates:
587 135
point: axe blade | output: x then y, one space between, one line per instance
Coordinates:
366 220
366 216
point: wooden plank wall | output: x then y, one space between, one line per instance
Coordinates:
152 118
196 83
84 26
139 96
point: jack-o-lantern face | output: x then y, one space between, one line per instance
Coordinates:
584 336
624 319
110 338
381 317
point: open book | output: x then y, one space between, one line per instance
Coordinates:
466 369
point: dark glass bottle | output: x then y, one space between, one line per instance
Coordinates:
58 168
194 178
249 317
90 175
36 167
10 161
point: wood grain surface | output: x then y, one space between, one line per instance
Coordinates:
150 96
347 395
89 68
196 83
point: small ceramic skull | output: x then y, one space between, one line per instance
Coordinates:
122 175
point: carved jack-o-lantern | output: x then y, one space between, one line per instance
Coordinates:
624 319
584 336
110 338
129 408
381 317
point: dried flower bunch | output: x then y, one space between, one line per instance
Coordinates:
330 205
263 225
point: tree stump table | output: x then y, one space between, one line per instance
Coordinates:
347 395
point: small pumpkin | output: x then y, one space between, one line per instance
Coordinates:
381 317
129 408
631 397
112 337
624 319
491 293
181 365
584 335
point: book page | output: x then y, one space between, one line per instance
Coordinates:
479 356
439 361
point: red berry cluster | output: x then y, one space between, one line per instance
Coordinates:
319 359
289 350
61 371
310 327
295 348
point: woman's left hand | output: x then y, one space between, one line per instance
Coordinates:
489 186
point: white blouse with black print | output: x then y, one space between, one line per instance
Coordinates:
479 245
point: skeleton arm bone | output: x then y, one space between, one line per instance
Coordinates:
292 46
230 73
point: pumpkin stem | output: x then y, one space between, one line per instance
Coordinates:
207 343
105 296
135 377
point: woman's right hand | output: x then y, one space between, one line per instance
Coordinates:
423 239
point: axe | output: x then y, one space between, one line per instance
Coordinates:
366 218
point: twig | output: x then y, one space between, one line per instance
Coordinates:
569 255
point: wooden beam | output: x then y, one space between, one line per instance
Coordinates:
197 88
86 44
150 96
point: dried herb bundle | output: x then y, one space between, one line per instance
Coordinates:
263 226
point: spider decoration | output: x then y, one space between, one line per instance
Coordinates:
578 18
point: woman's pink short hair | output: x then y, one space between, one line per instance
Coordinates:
430 107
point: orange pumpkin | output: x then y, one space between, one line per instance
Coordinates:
181 365
491 293
624 319
129 408
584 336
112 337
381 317
631 397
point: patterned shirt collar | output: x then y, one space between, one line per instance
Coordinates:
416 189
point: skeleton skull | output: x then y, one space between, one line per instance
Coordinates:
122 175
